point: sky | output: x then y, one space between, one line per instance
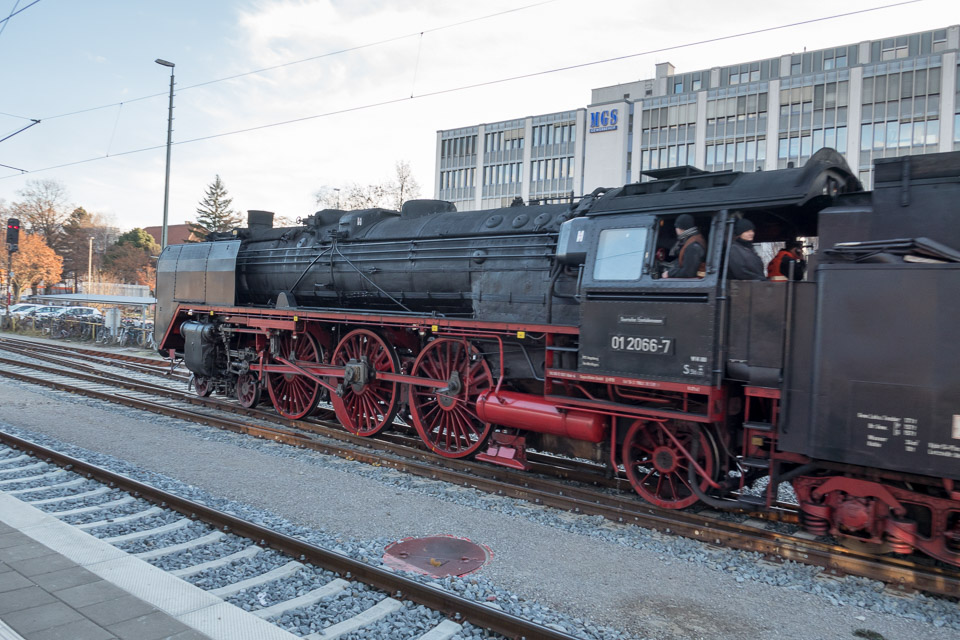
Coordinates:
363 83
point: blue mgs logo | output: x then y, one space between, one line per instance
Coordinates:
603 120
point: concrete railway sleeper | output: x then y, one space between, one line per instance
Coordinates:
273 576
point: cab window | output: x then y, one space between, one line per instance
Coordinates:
620 254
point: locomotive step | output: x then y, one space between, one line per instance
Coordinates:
756 463
758 426
759 501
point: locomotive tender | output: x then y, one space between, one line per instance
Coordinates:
549 327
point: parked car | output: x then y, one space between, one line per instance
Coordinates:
44 312
79 313
22 308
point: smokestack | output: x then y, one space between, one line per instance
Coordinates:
259 219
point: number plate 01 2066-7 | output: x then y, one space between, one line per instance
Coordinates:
638 344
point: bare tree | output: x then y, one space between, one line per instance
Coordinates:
405 186
390 194
43 210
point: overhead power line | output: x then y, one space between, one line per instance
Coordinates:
13 13
486 83
20 130
329 54
4 25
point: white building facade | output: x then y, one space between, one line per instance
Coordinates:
874 99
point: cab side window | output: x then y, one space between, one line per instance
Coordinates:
620 254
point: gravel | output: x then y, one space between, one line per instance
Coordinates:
192 531
56 491
353 600
410 622
55 507
140 524
266 560
271 593
204 553
860 595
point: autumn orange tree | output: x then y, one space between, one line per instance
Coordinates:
35 264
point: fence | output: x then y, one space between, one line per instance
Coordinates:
129 332
115 289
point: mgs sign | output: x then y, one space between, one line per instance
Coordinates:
603 120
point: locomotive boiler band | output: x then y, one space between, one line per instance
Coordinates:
552 327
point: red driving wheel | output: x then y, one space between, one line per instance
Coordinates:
295 396
368 404
658 469
446 418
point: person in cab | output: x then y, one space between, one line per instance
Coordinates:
689 251
744 262
790 257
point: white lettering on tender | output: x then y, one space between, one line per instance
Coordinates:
943 450
895 426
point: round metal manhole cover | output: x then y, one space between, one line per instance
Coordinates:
437 556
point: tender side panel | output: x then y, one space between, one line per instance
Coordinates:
886 379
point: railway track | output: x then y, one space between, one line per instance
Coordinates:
141 519
586 496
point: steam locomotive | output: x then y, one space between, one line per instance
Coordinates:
550 327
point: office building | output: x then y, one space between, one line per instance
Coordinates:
873 99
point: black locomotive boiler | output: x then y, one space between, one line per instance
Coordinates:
550 327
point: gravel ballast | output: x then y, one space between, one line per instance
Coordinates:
545 563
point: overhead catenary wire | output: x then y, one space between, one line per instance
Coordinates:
115 123
13 115
4 25
14 12
329 54
486 83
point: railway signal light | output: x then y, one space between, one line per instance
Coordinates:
13 232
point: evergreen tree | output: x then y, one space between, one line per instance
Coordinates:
214 213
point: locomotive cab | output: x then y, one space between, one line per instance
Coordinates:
637 322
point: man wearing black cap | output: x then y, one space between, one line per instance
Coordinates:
744 263
689 251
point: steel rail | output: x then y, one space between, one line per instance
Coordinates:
151 366
430 596
771 545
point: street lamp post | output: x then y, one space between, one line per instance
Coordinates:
90 269
166 184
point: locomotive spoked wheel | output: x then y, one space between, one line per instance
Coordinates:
446 418
248 390
658 470
368 404
203 386
295 396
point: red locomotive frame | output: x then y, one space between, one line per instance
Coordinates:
672 439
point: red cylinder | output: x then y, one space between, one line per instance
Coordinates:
539 414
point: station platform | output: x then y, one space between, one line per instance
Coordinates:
60 583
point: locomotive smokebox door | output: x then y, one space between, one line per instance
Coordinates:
635 325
